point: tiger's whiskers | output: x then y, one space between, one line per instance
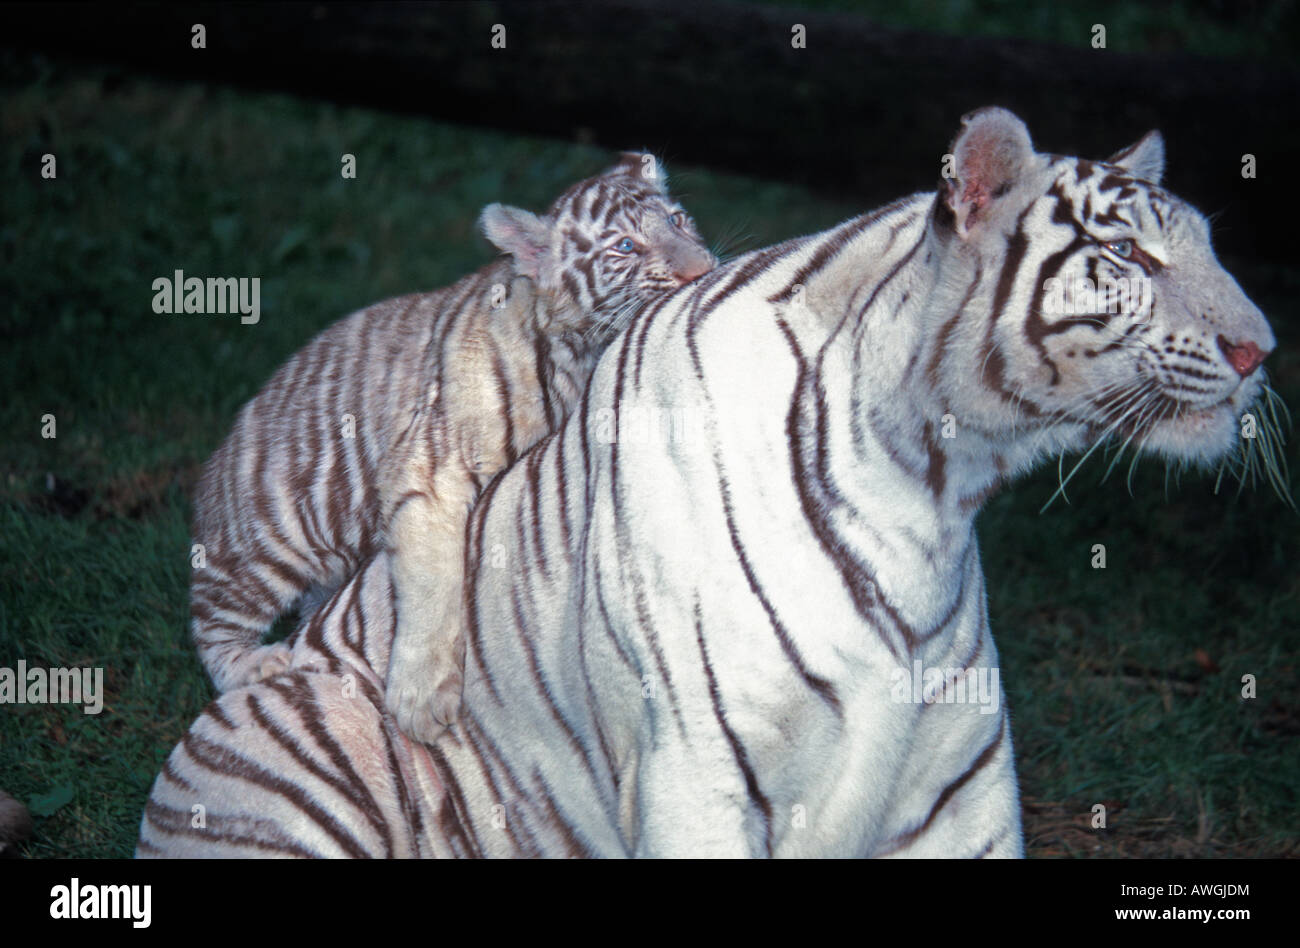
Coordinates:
1129 404
1263 456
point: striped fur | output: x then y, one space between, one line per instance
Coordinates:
381 432
689 641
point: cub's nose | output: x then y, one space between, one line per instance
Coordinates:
692 269
1244 357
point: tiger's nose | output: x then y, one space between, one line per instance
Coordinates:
1245 357
693 269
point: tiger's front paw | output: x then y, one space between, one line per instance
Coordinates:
423 694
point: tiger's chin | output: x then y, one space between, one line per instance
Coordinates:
1201 436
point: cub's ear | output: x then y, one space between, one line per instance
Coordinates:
522 234
642 165
1144 159
991 153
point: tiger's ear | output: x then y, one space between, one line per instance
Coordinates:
1144 159
641 165
990 155
522 234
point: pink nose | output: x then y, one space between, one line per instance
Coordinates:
1245 358
692 271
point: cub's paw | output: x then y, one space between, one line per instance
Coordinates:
422 698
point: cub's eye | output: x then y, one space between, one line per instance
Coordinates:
626 245
1120 248
678 219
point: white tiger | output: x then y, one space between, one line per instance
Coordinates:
697 640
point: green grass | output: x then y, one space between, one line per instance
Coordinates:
1109 702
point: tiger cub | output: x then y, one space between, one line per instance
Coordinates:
382 431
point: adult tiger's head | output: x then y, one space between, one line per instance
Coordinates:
1107 307
606 246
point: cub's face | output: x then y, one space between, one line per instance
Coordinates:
1107 305
606 247
618 241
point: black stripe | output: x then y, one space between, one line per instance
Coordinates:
172 822
627 554
530 847
507 400
906 839
573 840
756 795
298 696
460 829
472 566
993 375
226 763
543 687
532 475
817 507
823 688
839 238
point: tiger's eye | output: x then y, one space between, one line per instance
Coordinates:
1121 248
678 219
626 245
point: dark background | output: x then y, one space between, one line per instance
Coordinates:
1124 683
719 84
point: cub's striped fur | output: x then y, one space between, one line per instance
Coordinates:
702 637
385 427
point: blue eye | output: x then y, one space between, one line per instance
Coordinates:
1121 248
626 245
